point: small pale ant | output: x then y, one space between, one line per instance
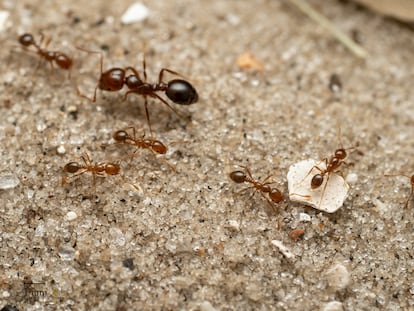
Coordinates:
239 177
153 145
99 169
62 60
178 91
412 186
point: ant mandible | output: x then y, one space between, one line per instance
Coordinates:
178 91
99 169
155 146
60 59
412 186
263 187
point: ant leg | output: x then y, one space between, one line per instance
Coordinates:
161 74
243 190
135 72
101 70
148 117
409 198
144 67
165 160
323 191
310 171
66 178
169 106
271 205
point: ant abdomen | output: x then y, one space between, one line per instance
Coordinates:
276 195
112 80
158 146
181 92
112 168
317 181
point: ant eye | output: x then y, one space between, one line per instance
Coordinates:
181 92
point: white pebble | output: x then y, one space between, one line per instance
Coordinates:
8 181
71 216
283 249
4 22
304 217
328 197
338 276
206 306
333 306
234 225
351 178
61 149
6 294
135 13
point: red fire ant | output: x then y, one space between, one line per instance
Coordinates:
178 91
263 187
60 59
412 186
99 169
155 146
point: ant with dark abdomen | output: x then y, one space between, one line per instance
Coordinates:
178 91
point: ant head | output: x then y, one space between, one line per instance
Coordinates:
112 79
26 39
71 167
158 147
120 136
238 176
112 168
181 92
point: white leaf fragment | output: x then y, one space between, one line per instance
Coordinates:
329 197
283 249
135 13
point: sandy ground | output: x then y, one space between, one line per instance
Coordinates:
185 240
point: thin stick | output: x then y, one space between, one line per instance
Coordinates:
355 48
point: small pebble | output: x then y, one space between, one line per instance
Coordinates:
8 181
333 306
135 13
283 249
206 306
66 252
304 217
71 216
338 276
234 225
4 22
351 178
61 149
